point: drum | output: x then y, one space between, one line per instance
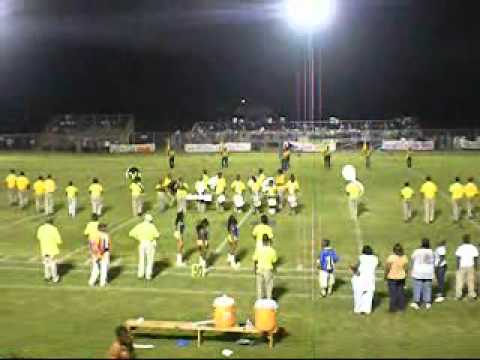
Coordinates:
224 312
292 201
272 202
256 200
266 315
238 201
207 197
221 198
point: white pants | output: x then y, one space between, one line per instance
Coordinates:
12 196
100 268
72 206
97 205
48 203
22 198
326 280
137 205
146 256
50 268
362 296
39 202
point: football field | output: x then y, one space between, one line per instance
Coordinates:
70 319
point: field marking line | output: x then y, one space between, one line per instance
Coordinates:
242 221
280 270
116 262
22 220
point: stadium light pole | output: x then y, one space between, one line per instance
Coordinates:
307 16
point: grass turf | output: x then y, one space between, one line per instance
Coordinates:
71 320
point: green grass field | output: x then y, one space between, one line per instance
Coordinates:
70 319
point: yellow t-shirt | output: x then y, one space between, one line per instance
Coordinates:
397 267
286 154
429 189
11 181
91 230
95 190
39 187
136 189
457 190
166 182
22 183
261 178
256 186
221 185
407 193
182 193
266 257
272 191
280 180
49 238
471 190
144 231
260 230
353 190
238 186
50 186
293 187
71 191
205 179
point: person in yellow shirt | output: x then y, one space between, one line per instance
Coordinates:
181 195
272 197
471 192
407 193
238 187
224 154
429 191
261 177
72 195
456 189
292 188
23 185
255 194
327 157
50 188
285 158
137 190
408 158
171 157
264 259
205 178
163 199
39 193
262 229
91 230
220 188
367 151
146 234
11 186
96 199
280 182
49 238
354 192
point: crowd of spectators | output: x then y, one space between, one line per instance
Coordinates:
74 124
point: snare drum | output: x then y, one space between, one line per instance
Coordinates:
238 201
292 201
272 202
221 199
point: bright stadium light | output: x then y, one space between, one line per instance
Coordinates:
310 14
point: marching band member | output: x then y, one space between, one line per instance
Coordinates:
137 189
280 183
272 196
200 189
238 187
96 190
220 186
292 188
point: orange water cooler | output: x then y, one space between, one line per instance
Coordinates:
224 312
266 315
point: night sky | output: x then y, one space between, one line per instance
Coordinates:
174 62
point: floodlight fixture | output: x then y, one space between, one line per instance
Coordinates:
308 15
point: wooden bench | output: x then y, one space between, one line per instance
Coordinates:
149 326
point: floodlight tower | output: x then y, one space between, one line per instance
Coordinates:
308 16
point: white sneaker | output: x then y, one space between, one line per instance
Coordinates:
414 306
439 299
428 306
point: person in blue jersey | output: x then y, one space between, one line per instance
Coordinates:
326 263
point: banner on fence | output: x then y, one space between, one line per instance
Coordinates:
209 148
317 146
408 144
463 143
132 148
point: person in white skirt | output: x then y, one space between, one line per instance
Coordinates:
363 281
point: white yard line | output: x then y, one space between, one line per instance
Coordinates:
358 236
116 262
313 250
242 221
21 220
